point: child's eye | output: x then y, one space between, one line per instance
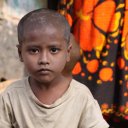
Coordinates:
54 50
33 51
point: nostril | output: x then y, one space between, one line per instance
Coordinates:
41 62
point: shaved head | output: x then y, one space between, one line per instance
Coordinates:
40 19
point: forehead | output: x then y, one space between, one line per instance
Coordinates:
49 30
46 35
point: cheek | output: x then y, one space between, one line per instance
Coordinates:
60 63
28 65
29 62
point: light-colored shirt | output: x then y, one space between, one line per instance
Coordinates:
19 108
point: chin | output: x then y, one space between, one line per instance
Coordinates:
43 80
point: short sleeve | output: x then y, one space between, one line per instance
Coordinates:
92 116
4 114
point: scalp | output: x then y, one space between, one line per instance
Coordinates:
41 18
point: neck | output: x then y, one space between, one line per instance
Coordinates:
68 76
49 93
47 86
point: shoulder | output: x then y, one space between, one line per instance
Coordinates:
14 86
82 93
14 93
81 88
90 105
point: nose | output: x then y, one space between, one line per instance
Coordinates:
43 58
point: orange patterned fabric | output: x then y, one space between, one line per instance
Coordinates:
101 28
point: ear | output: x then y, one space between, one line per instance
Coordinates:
19 52
68 52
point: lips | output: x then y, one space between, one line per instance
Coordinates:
44 71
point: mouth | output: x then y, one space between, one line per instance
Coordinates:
44 71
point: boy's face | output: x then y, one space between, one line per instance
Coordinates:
44 53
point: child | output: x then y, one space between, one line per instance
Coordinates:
47 98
